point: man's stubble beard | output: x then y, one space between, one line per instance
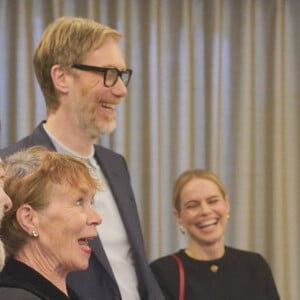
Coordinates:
84 118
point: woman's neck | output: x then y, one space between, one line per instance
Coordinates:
201 252
44 267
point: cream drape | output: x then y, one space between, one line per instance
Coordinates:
216 85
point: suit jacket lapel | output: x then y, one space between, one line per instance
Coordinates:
119 183
115 171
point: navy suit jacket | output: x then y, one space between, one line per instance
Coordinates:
98 281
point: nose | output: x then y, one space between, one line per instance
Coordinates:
205 208
119 89
5 200
93 217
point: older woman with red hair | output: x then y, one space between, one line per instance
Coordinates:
46 233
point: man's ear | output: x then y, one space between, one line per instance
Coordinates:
27 218
59 77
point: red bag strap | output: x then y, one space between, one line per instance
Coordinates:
181 276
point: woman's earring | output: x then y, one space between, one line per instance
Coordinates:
182 229
228 216
34 233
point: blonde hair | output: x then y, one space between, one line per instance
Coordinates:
186 176
66 42
31 175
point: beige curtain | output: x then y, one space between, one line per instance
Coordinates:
215 85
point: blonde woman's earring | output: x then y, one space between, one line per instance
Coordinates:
182 229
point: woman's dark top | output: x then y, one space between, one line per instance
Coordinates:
240 275
20 282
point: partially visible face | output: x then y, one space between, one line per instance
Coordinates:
203 212
5 201
5 205
93 105
64 228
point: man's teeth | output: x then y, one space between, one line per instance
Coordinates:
107 105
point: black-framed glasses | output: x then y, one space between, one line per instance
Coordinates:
110 74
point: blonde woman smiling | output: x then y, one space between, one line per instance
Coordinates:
207 269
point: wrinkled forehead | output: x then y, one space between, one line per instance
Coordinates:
67 188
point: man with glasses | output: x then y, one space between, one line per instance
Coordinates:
83 76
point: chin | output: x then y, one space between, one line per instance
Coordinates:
82 266
107 129
102 128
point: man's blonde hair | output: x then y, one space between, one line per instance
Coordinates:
65 42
